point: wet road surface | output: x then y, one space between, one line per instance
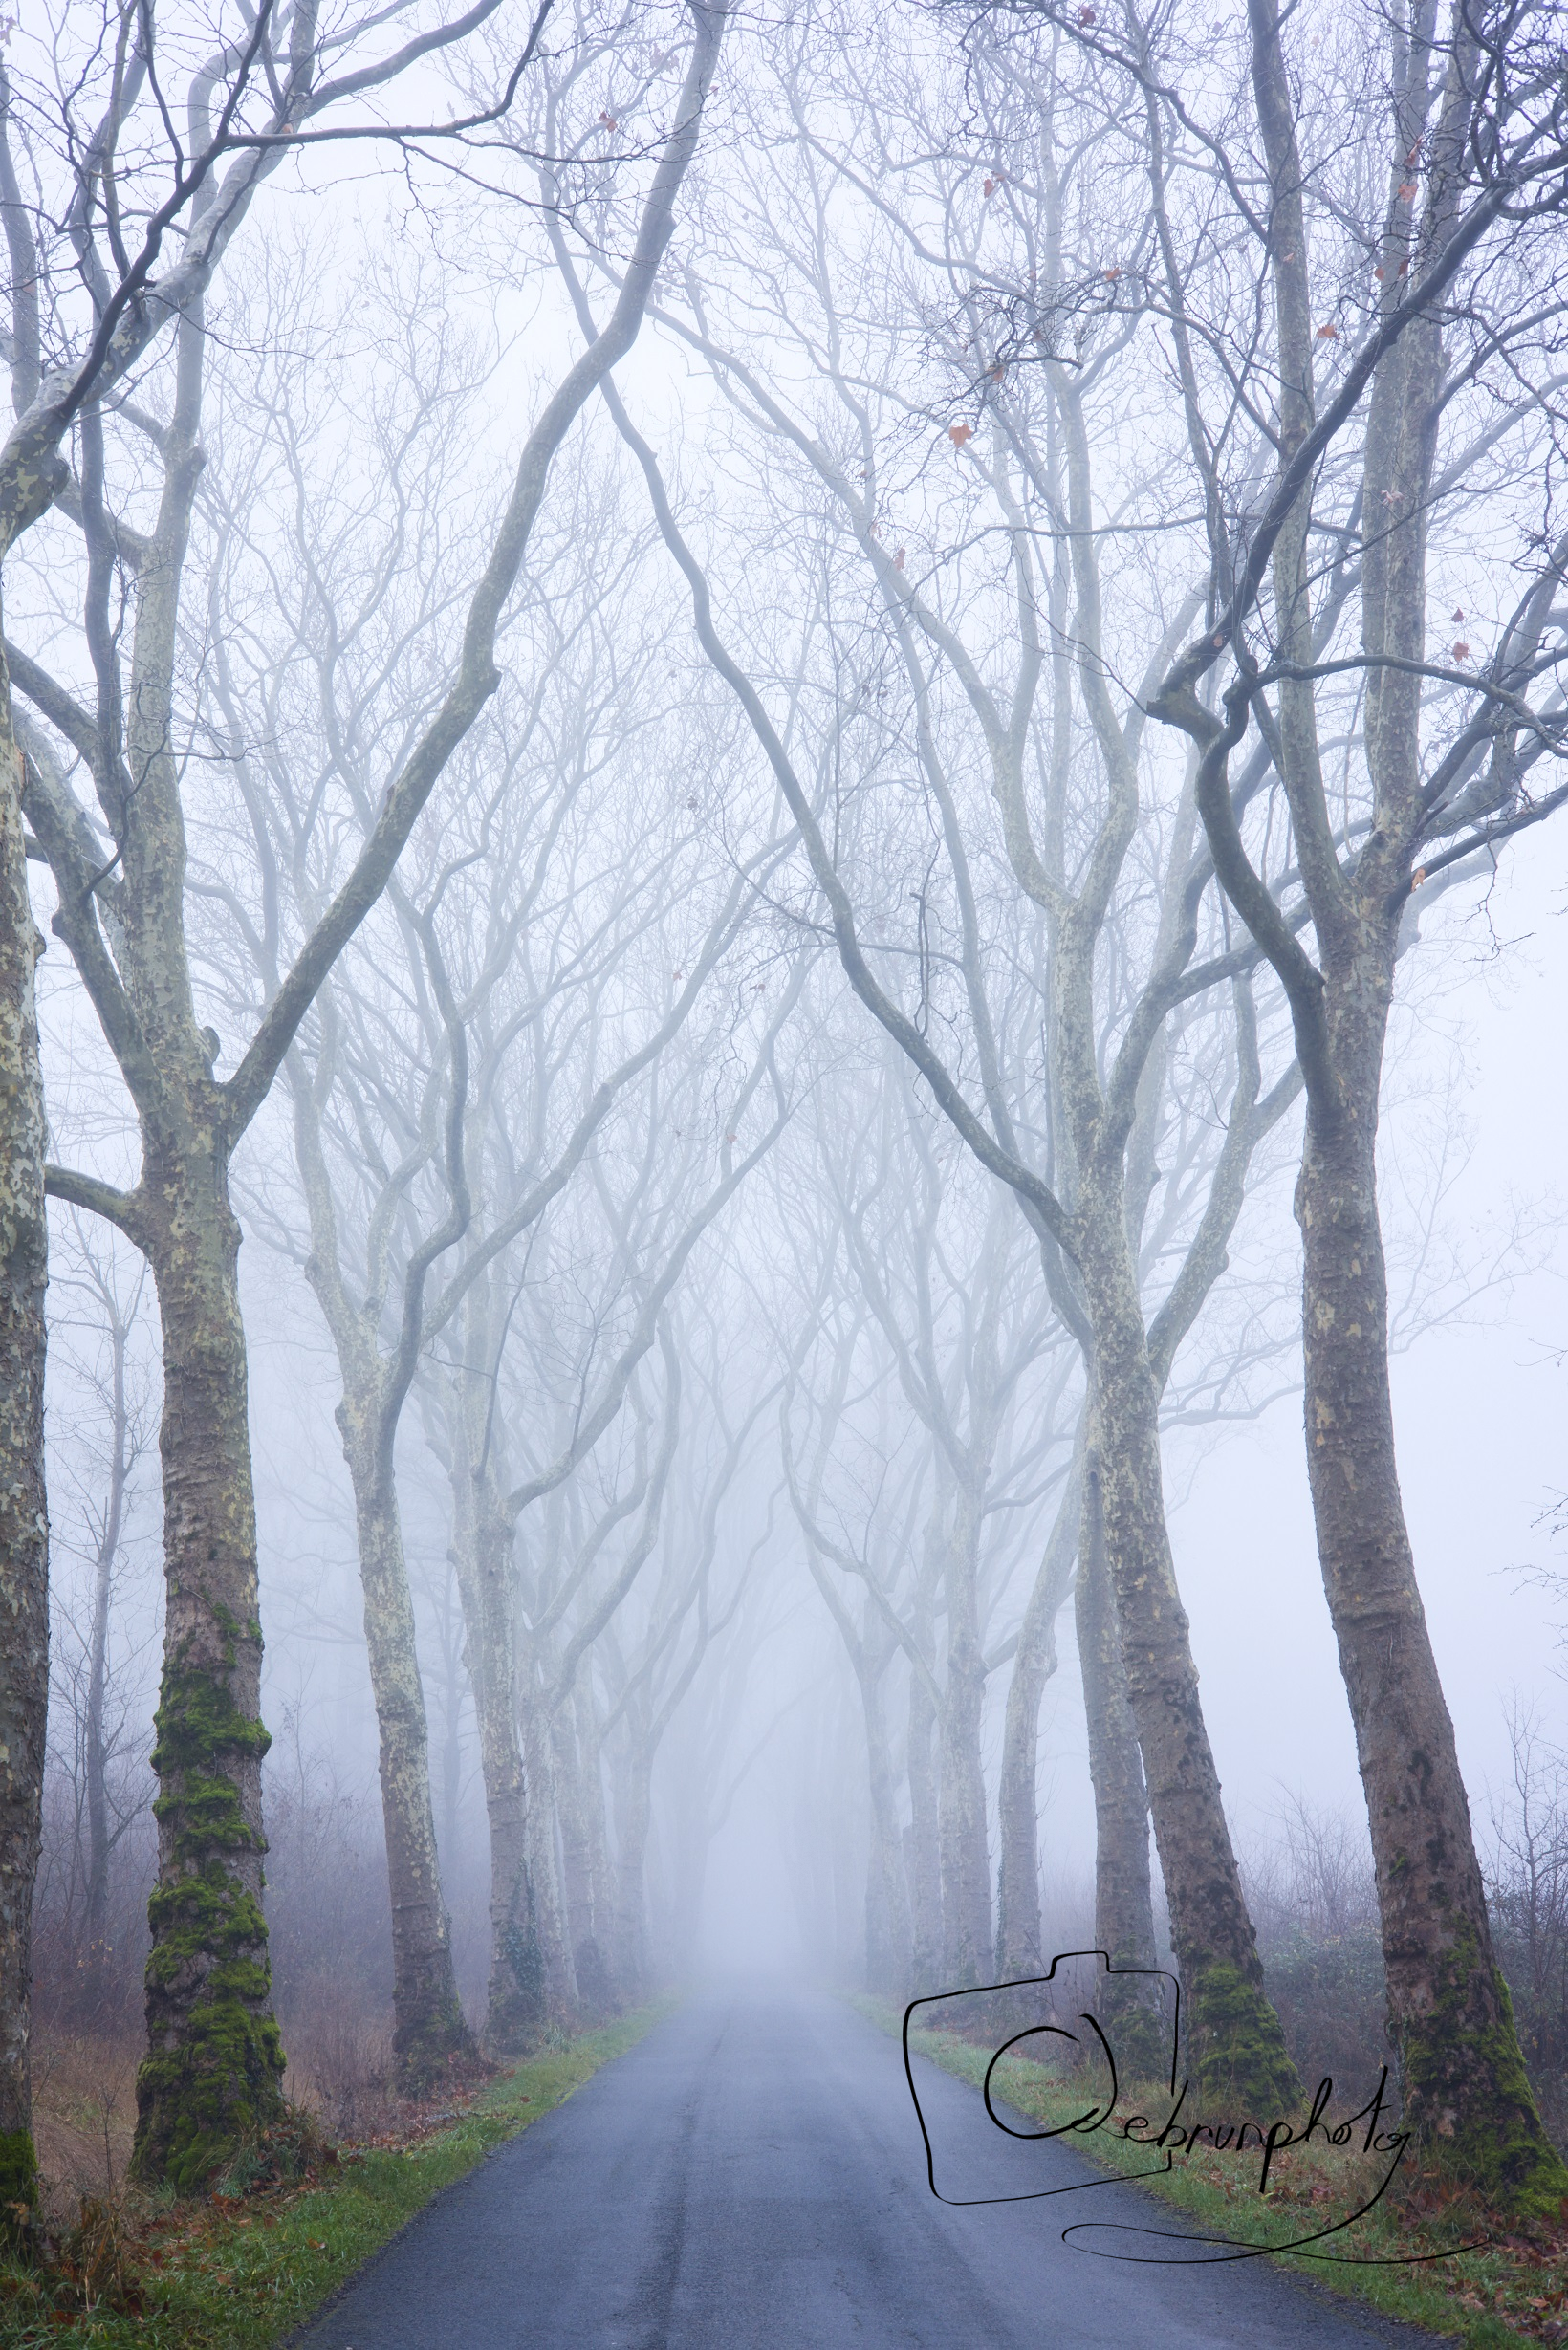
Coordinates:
751 2177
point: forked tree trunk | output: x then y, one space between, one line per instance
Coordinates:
24 1521
429 2032
213 2071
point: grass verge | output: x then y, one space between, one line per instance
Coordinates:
1514 2291
232 2274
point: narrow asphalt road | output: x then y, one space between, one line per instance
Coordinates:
751 2177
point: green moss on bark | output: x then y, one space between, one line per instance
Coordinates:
1239 2058
1466 2089
19 2182
214 2078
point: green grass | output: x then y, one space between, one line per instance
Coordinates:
1515 2291
227 2275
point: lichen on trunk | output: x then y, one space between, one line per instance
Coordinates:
213 2071
24 1523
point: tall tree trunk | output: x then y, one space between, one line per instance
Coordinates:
967 1936
1019 1927
1123 1896
543 1861
429 2032
1464 2080
24 1518
215 2069
571 1803
1236 2046
481 1551
924 1869
590 1791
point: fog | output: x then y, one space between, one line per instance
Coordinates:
667 1028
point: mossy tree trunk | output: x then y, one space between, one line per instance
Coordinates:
1464 2078
24 1521
214 2071
213 2074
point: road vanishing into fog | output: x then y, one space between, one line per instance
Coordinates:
751 2177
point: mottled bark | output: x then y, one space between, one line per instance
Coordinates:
1464 2080
214 2067
1236 2047
1123 1896
24 1520
1463 2075
215 2063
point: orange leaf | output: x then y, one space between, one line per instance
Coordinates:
1456 614
1087 17
1329 332
958 434
1461 652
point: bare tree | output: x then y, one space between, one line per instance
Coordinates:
1424 239
215 2062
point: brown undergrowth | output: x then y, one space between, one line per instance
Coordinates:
241 2271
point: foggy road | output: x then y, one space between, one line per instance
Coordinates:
751 2177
